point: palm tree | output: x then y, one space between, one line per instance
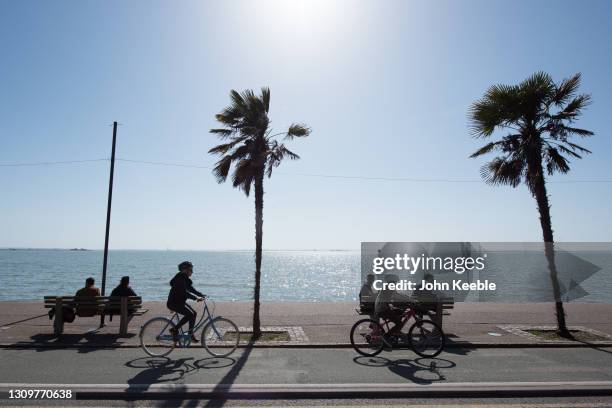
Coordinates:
254 151
538 115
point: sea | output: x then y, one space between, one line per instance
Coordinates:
306 276
309 276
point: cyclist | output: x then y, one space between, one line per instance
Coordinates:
181 290
391 305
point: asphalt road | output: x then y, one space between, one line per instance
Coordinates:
131 366
582 402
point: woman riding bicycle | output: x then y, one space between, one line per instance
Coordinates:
181 290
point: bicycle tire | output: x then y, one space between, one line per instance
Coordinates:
434 337
147 334
215 340
364 345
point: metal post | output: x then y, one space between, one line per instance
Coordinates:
108 215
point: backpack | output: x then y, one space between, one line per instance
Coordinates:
68 314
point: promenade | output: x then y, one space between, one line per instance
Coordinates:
26 324
484 357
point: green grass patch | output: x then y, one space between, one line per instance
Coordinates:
265 336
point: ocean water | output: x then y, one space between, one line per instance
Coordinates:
225 275
310 276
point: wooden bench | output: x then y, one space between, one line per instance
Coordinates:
435 308
124 306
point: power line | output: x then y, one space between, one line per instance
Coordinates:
165 164
330 176
49 163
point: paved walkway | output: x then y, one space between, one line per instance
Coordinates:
476 324
302 371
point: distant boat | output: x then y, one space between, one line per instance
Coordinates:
79 249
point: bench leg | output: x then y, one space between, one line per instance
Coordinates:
123 324
58 322
438 316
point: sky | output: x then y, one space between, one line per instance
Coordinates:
385 87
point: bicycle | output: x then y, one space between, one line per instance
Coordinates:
425 337
220 336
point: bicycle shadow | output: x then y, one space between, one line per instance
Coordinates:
421 370
163 370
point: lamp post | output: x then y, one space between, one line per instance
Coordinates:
108 215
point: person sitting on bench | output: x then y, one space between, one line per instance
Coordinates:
122 290
89 291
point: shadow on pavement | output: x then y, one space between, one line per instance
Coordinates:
595 346
229 378
23 320
85 342
156 371
418 371
159 370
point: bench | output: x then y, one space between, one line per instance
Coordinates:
124 306
434 309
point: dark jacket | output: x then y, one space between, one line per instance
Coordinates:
181 290
122 290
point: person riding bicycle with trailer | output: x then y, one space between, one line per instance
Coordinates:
181 290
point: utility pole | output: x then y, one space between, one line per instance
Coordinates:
108 215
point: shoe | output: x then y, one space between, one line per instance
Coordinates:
194 339
175 336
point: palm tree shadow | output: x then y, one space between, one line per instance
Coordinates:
221 389
594 346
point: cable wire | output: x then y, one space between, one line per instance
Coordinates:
332 176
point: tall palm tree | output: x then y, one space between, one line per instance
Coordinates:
538 116
254 152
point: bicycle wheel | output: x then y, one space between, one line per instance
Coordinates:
220 337
155 337
426 338
367 337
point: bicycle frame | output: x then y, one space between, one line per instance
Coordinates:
185 336
408 314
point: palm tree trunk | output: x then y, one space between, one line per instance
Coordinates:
259 192
541 196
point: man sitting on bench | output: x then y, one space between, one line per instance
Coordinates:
89 291
122 290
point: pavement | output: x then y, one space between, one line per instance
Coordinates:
311 373
26 324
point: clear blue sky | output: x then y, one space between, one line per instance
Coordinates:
385 87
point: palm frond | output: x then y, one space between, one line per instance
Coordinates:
225 147
486 148
243 176
574 146
569 152
574 107
503 171
297 130
555 161
566 89
265 98
221 169
222 133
